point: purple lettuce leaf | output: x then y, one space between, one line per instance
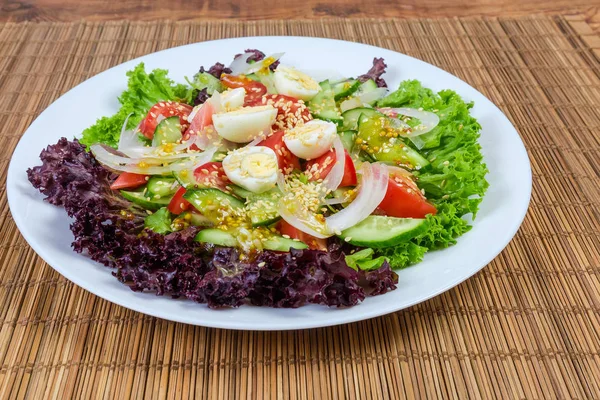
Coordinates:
375 73
110 230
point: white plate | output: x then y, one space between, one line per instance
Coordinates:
46 227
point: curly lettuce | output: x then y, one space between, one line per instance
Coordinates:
454 182
143 91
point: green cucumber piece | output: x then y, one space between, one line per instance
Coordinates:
161 186
279 243
212 203
323 106
367 86
377 231
195 219
394 150
240 191
186 179
167 131
263 208
348 139
351 117
139 197
345 88
216 237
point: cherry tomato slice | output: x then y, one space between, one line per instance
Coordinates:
403 199
312 242
287 161
178 204
129 180
212 174
254 90
320 167
290 110
166 109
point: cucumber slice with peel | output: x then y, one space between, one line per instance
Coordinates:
378 231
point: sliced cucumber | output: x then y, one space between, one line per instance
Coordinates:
214 204
392 150
367 86
216 237
161 186
323 106
351 116
345 88
263 208
227 239
167 131
377 231
139 197
186 179
240 191
348 140
279 243
195 219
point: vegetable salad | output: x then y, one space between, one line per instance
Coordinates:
249 168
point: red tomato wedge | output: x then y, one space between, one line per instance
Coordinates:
129 180
254 90
212 174
320 167
201 120
287 161
178 204
290 110
312 242
403 199
166 109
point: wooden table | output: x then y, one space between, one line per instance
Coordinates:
103 10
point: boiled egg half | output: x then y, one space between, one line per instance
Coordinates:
244 124
291 82
253 168
311 140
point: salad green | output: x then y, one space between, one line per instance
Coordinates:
449 165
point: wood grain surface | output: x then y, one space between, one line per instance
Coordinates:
104 10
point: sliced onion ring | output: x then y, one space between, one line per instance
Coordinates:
297 222
428 120
334 177
372 95
240 65
108 157
371 192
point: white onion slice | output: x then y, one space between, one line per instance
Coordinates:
372 190
417 141
334 200
108 158
349 104
298 223
334 177
240 65
372 95
428 120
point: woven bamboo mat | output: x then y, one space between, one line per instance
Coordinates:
527 326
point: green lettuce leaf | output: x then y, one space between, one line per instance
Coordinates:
364 260
454 182
159 221
143 91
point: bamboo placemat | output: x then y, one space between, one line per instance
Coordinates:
527 326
